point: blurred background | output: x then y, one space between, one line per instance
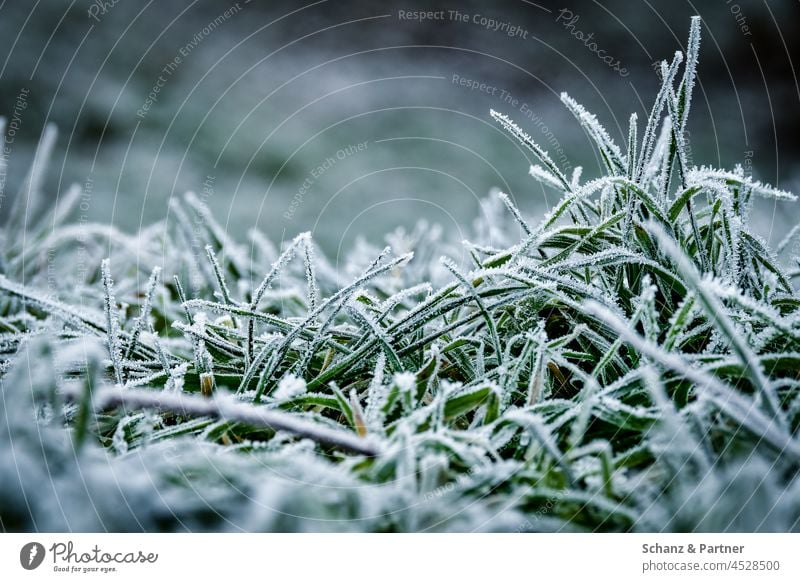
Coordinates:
353 118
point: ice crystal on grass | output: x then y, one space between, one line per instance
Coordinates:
528 142
629 361
612 157
112 323
406 382
289 387
545 177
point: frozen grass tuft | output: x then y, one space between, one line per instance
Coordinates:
633 363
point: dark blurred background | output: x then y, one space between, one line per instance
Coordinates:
260 106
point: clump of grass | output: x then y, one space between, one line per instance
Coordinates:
632 363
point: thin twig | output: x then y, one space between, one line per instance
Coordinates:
227 408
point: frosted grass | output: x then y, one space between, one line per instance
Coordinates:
631 364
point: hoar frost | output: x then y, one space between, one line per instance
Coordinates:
289 387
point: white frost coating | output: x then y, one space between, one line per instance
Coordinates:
119 441
528 142
546 177
142 322
311 273
633 128
506 199
289 387
112 322
219 274
722 177
86 321
30 199
596 130
233 250
377 395
228 408
648 140
176 378
689 72
406 382
738 406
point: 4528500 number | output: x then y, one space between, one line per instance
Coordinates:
755 565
